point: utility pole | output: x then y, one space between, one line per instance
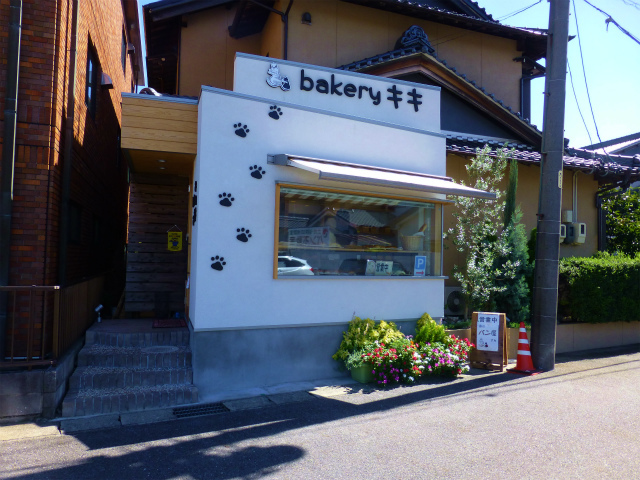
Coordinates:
545 287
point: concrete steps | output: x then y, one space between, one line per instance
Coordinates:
128 366
154 356
96 377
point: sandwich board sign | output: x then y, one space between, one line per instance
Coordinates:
489 334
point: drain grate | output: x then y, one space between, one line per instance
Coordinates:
199 410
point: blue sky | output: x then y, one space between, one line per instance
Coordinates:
611 62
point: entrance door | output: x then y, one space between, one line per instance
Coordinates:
155 275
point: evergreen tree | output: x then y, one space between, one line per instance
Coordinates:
490 234
514 300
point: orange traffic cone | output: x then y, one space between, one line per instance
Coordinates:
524 364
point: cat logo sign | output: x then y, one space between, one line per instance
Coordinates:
174 241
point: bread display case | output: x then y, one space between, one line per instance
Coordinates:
348 234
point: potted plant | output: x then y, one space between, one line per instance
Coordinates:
359 365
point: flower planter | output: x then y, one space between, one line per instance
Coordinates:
461 333
362 374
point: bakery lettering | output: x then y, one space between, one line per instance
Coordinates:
330 87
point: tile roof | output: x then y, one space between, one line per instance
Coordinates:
616 144
477 18
480 12
574 158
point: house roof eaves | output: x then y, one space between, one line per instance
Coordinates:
587 161
616 144
165 9
427 12
392 55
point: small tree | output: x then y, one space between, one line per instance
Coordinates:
514 300
484 234
623 221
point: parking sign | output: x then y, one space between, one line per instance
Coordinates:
420 266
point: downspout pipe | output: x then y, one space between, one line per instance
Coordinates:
68 149
9 157
285 19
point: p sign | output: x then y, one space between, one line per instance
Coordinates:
420 266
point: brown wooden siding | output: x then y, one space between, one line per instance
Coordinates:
156 276
159 125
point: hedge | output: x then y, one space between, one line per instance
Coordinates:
599 289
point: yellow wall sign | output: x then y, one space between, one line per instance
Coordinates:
174 241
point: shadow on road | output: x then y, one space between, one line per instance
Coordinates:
220 446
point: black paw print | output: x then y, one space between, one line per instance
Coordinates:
275 112
257 172
218 263
243 235
226 200
241 130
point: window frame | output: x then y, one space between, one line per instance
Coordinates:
439 255
123 58
91 81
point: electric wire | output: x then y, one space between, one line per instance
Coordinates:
611 20
578 104
584 73
513 14
632 3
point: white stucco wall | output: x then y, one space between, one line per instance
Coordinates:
244 294
251 72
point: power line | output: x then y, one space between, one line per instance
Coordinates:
611 20
632 3
513 14
584 72
578 104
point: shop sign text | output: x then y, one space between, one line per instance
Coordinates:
331 87
488 330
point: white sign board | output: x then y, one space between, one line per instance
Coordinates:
384 267
382 99
488 331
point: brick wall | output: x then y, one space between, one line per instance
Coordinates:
99 174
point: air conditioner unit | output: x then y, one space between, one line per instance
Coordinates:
454 305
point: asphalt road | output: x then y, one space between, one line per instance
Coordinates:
581 421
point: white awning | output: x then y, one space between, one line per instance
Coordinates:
386 177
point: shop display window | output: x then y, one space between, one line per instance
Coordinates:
347 234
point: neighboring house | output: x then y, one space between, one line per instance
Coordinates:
624 151
628 145
64 179
455 77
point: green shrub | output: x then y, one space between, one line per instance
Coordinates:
455 323
362 332
429 331
599 289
